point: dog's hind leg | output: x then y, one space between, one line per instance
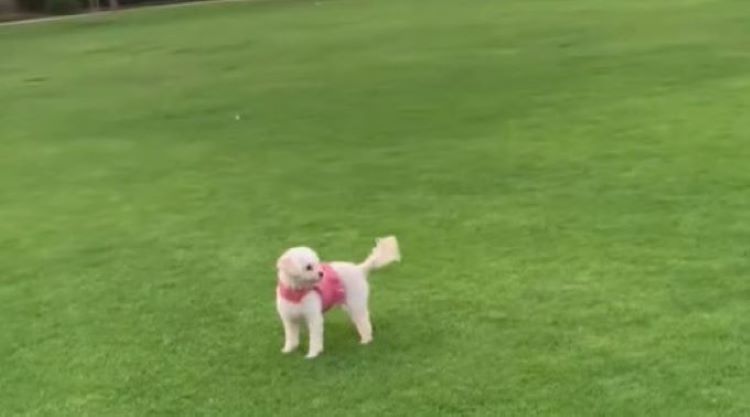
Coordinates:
361 319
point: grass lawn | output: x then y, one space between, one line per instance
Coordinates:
570 182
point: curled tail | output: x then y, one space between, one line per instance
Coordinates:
383 254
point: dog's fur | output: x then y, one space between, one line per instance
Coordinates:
299 268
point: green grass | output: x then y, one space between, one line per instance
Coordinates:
570 181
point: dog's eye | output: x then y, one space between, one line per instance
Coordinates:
309 267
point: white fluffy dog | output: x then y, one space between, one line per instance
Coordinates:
308 288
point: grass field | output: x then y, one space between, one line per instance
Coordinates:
570 181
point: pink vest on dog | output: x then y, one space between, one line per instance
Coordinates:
330 289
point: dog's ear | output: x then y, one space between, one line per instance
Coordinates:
285 264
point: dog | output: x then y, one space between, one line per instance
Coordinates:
307 288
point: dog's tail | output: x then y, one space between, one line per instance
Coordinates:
383 254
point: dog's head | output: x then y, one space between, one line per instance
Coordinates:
299 267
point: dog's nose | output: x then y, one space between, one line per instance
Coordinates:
320 274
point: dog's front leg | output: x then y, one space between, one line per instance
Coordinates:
291 334
315 326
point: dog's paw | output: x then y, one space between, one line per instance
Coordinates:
288 349
313 355
365 341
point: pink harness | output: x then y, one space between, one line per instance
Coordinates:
330 289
